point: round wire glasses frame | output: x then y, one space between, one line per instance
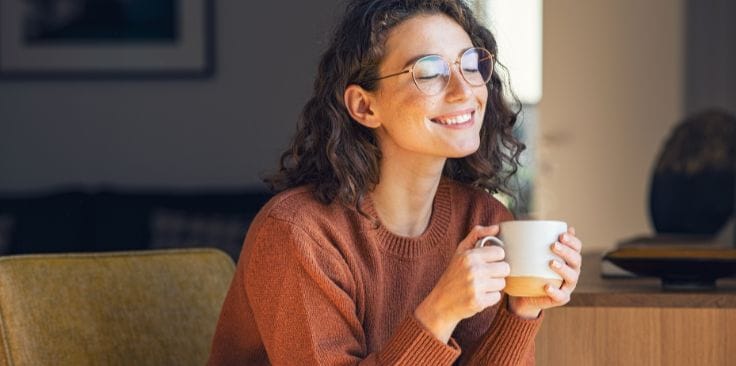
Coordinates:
431 73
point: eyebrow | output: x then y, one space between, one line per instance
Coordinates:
415 58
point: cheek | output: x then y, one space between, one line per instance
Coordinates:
482 96
407 106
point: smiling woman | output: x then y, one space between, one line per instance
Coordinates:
367 253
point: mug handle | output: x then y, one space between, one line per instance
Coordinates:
495 241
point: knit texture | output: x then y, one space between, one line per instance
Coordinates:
324 285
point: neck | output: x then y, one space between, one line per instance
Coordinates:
404 195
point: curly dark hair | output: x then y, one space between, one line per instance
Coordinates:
340 157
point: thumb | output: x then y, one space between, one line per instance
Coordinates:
478 232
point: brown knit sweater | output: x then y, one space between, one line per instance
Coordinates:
323 285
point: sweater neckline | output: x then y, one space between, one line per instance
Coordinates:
433 235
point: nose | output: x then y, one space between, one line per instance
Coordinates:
457 88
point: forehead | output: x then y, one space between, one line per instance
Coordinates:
422 35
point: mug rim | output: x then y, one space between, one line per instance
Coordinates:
534 221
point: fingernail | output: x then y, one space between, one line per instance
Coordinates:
556 264
556 246
548 288
565 237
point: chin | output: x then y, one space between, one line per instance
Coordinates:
461 153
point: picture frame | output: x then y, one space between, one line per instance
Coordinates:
106 39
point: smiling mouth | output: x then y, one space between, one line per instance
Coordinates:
454 120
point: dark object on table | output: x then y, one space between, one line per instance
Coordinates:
692 189
691 201
681 267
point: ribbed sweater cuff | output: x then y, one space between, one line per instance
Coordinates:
412 344
508 339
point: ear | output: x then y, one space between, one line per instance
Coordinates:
359 103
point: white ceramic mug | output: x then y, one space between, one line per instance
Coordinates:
528 247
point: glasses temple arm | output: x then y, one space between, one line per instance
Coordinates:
391 75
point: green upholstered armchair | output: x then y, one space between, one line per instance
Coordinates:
115 308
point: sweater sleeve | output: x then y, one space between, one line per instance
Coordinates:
509 340
302 296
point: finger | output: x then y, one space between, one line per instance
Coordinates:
482 278
571 230
569 255
559 296
490 254
571 240
476 234
493 285
568 287
569 276
489 299
498 270
483 282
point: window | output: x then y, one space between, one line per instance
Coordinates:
517 26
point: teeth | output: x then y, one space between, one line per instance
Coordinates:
455 120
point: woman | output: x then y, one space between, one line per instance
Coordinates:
367 255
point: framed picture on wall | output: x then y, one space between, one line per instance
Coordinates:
102 39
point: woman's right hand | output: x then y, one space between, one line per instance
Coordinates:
472 282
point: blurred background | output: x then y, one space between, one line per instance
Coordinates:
157 126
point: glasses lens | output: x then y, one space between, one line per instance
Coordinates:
477 66
431 74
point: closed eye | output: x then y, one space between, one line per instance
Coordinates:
428 77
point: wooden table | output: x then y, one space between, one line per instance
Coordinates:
634 322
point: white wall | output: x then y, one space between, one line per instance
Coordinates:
222 132
613 88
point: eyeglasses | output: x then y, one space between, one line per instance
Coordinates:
432 73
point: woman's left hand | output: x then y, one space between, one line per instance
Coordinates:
568 249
